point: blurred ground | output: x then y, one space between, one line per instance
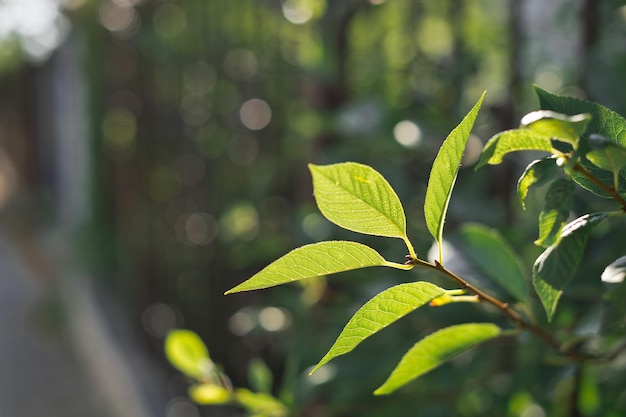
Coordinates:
63 351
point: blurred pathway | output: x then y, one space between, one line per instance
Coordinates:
61 353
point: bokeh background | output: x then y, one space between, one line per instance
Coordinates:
154 153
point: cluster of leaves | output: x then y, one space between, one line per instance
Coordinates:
187 353
586 145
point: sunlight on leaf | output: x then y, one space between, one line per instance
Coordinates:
615 272
209 394
436 349
537 173
443 175
313 260
379 312
556 266
512 141
496 258
559 199
358 198
557 125
186 352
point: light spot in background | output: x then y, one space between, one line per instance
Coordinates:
196 229
158 319
169 20
119 128
199 78
300 12
181 407
399 49
195 109
472 150
243 150
241 64
274 319
322 375
407 134
255 114
316 226
240 222
549 78
434 37
241 323
120 19
533 410
39 25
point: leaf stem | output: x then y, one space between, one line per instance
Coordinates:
512 314
613 193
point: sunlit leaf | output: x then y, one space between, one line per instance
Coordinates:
615 272
556 125
436 349
558 202
358 198
512 141
604 176
605 154
556 266
313 260
260 403
186 352
444 172
379 312
538 172
206 394
496 258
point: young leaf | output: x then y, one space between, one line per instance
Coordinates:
556 266
206 394
512 141
443 175
378 313
615 272
557 125
538 172
312 260
358 198
494 256
436 349
554 215
186 352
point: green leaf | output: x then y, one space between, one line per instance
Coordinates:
512 141
444 172
206 394
436 349
557 125
556 266
358 198
604 176
260 403
538 172
555 213
604 121
186 352
606 155
378 313
260 376
493 255
313 260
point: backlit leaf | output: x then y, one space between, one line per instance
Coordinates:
559 199
358 198
313 260
493 255
206 394
557 125
512 141
537 173
606 155
186 352
556 266
379 312
444 172
436 349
